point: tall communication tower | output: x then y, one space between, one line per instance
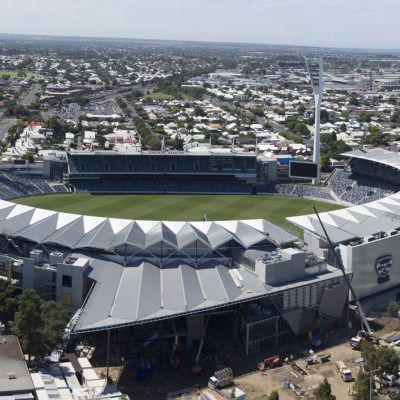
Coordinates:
315 69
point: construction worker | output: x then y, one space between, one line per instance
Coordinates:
123 359
352 391
306 364
348 391
291 358
287 360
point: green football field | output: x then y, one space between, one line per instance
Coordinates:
179 207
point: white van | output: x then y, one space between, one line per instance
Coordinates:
387 379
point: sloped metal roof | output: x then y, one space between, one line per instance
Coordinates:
142 291
354 222
79 232
382 156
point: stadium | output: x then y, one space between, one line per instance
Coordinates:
265 283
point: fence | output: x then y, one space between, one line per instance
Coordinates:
374 314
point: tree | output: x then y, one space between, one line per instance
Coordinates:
353 101
274 395
362 387
199 112
258 112
301 109
55 318
393 308
325 161
27 156
345 114
101 140
324 390
175 110
384 358
232 394
154 143
8 303
137 94
334 137
28 324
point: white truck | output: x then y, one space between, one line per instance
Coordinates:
387 379
344 372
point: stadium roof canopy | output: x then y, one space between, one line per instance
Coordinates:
79 232
382 156
355 222
142 291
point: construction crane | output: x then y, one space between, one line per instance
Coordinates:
363 318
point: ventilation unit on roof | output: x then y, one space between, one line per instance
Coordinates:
56 257
11 375
392 232
37 255
369 238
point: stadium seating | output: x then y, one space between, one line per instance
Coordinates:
100 162
16 185
362 182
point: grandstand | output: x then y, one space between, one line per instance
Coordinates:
369 176
175 172
15 185
363 180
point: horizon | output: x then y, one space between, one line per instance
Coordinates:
258 22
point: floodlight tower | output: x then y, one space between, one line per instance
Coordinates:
315 68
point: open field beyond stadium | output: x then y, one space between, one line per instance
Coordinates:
14 74
179 207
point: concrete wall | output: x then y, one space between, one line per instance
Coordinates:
77 291
315 244
29 274
361 260
292 268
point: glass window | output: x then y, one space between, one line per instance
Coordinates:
67 281
66 299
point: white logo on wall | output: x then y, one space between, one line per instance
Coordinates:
383 266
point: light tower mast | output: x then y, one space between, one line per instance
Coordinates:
315 69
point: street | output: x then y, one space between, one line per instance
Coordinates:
5 126
30 96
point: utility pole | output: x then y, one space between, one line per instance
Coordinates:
370 380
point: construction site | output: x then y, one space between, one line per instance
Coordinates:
147 370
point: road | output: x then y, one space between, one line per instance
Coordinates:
4 127
31 95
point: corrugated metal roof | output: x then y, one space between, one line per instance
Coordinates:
142 291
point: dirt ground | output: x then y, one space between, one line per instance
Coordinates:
257 384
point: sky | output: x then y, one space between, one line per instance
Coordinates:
323 23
